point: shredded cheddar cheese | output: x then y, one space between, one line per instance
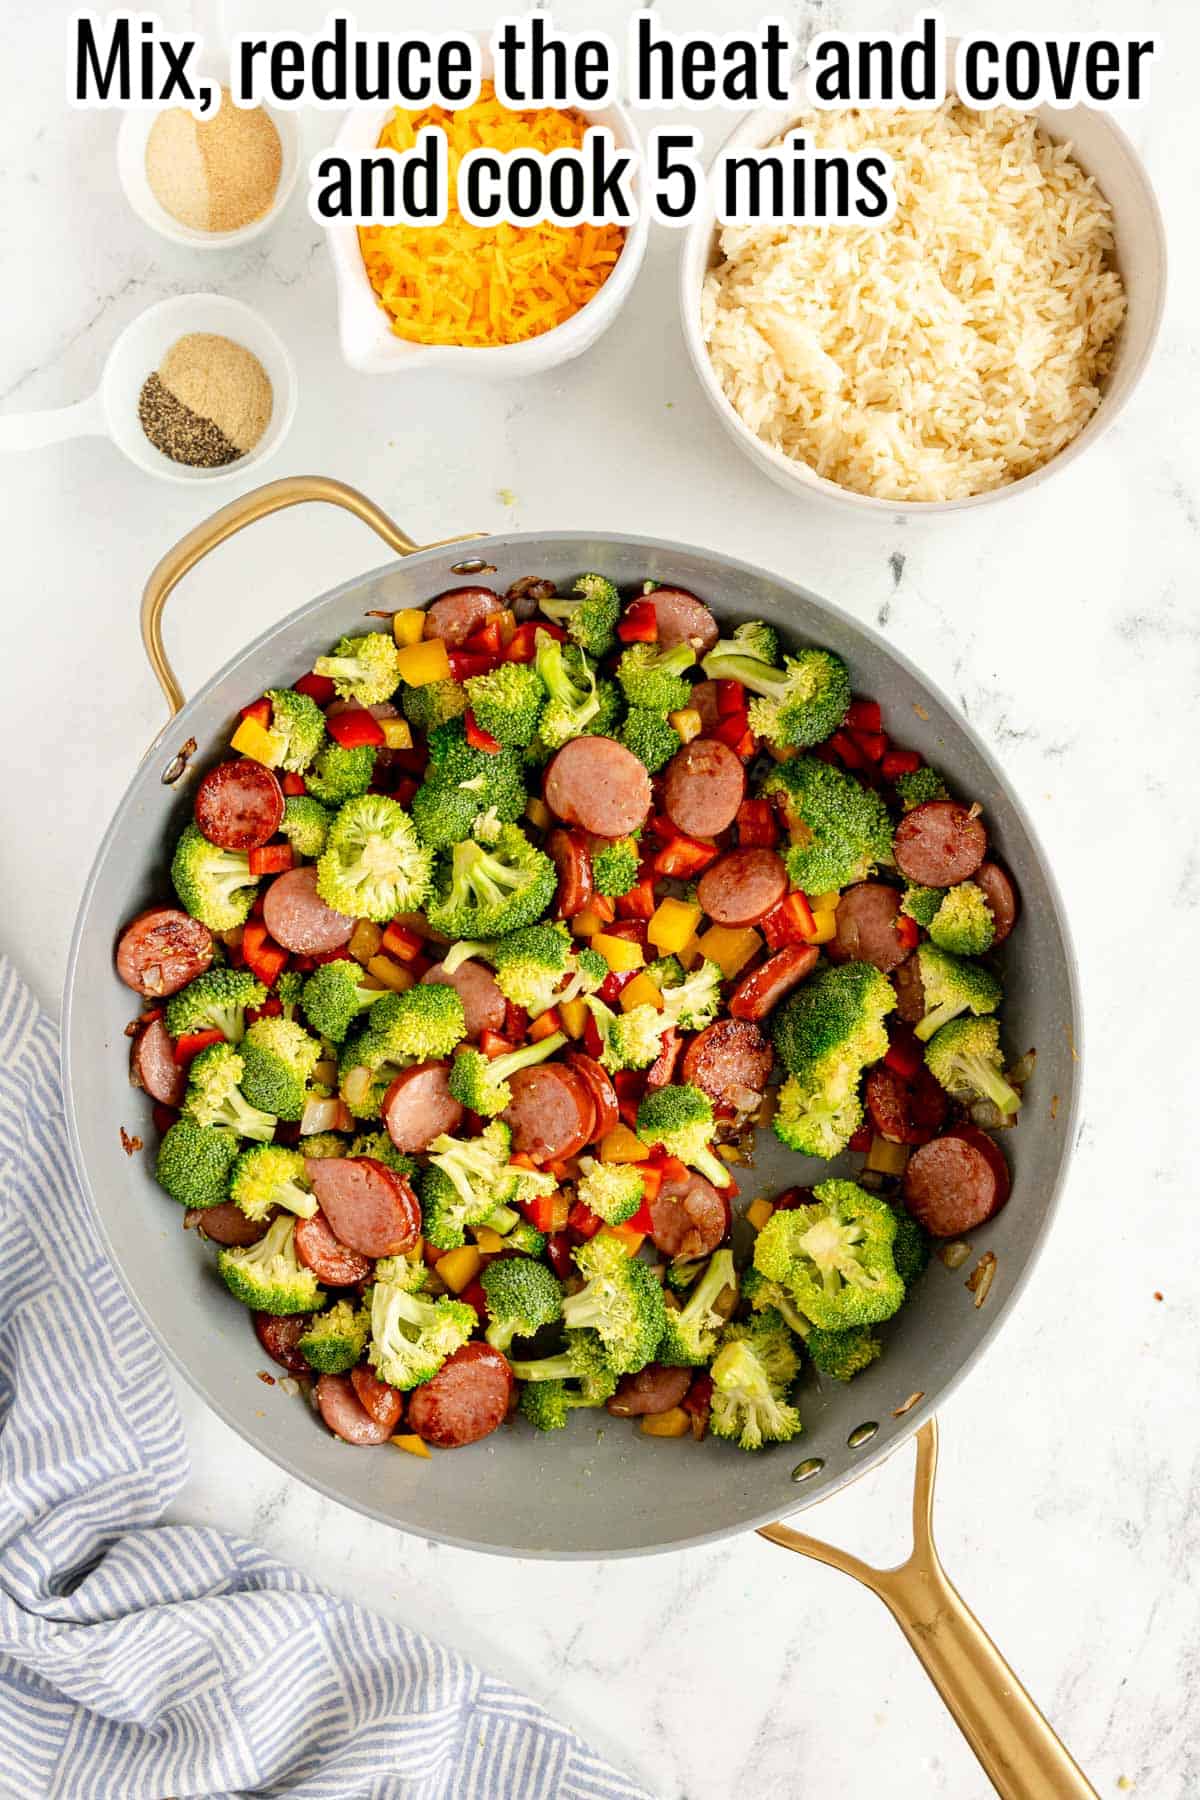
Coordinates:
481 286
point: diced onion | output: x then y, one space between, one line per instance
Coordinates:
1022 1069
355 1088
987 1114
320 1115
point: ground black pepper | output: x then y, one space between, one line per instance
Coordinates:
180 433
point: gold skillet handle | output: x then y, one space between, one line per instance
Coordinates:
258 504
1017 1749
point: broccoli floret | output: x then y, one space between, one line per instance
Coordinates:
691 1335
525 1238
280 1057
590 971
434 703
953 986
328 1143
965 1058
216 1001
267 1275
680 1275
825 1036
666 972
340 773
366 669
507 702
653 678
547 1404
299 722
267 1176
215 885
680 1118
288 988
522 1296
379 1146
842 1354
570 684
921 904
480 1083
834 1257
530 965
798 705
695 1001
591 617
910 1250
214 1095
650 736
411 1336
918 786
421 1025
615 866
613 1191
752 1375
579 1375
620 1301
373 866
488 893
366 1071
334 996
963 922
840 830
336 1339
815 1121
463 784
462 1185
631 1040
518 1186
194 1163
305 824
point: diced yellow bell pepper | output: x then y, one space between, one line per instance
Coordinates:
458 1268
729 1153
621 954
687 722
574 1016
391 973
623 1146
490 1242
824 902
641 991
424 662
758 1212
414 1445
538 813
255 741
691 953
674 922
397 733
674 1424
886 1158
824 928
408 627
587 923
630 1241
730 947
365 940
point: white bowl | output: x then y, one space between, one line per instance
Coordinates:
1102 151
367 339
131 168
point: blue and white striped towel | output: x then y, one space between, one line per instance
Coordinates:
140 1660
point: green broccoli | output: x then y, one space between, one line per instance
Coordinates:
840 830
752 1376
280 1057
267 1275
194 1163
435 703
631 1040
487 893
801 704
695 1001
334 997
615 866
214 885
620 1301
825 1036
379 1146
521 1296
590 619
953 986
680 1118
336 1339
525 1238
842 1354
589 972
680 1275
763 1294
300 723
834 1257
214 1095
918 786
963 922
305 824
531 964
650 736
366 1072
411 1335
215 1001
965 1058
518 1186
462 1185
480 1083
653 678
569 681
507 702
554 1386
691 1334
910 1250
666 972
365 669
462 784
328 1143
267 1176
373 865
921 904
422 1024
613 1191
340 773
288 988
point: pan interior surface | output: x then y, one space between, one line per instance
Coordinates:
599 1487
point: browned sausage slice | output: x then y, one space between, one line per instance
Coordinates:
551 1114
239 805
297 917
865 927
483 1003
682 619
152 1065
654 1389
688 1217
227 1225
743 887
604 1095
384 1402
956 1182
345 1414
162 950
370 1207
703 786
467 1398
419 1106
729 1060
454 615
279 1336
569 853
598 784
704 701
661 1072
904 1112
939 843
1001 895
760 992
910 991
330 1260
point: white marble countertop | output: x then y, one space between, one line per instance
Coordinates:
1063 623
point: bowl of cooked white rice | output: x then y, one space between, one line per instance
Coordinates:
961 352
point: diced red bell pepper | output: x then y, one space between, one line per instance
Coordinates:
791 922
264 957
907 932
270 1009
516 1022
478 738
402 942
584 1221
639 623
304 965
793 1197
639 902
463 664
430 1253
630 1085
732 727
271 859
318 687
593 1043
905 1054
731 698
259 711
652 1179
864 715
293 785
632 930
610 988
541 1211
899 762
641 1220
545 1025
474 1295
756 825
825 753
844 746
558 1254
485 641
670 1168
683 857
404 790
491 1044
355 727
341 954
164 1117
662 1069
698 1399
522 645
193 1042
871 743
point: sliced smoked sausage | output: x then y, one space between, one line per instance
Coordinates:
661 1072
595 1078
475 985
654 1389
467 1398
956 1182
865 927
279 1337
419 1106
370 1208
551 1114
904 1112
320 1250
454 615
598 784
239 805
384 1402
910 991
703 786
688 1217
704 701
345 1414
297 917
1001 895
743 887
162 950
939 843
682 619
228 1225
760 992
152 1065
730 1057
568 851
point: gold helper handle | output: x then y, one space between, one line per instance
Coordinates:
293 490
1019 1752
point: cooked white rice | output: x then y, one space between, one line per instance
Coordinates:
949 352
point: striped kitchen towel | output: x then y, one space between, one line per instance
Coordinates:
140 1660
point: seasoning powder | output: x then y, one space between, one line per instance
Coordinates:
208 402
214 174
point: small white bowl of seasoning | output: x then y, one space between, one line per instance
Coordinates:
196 389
